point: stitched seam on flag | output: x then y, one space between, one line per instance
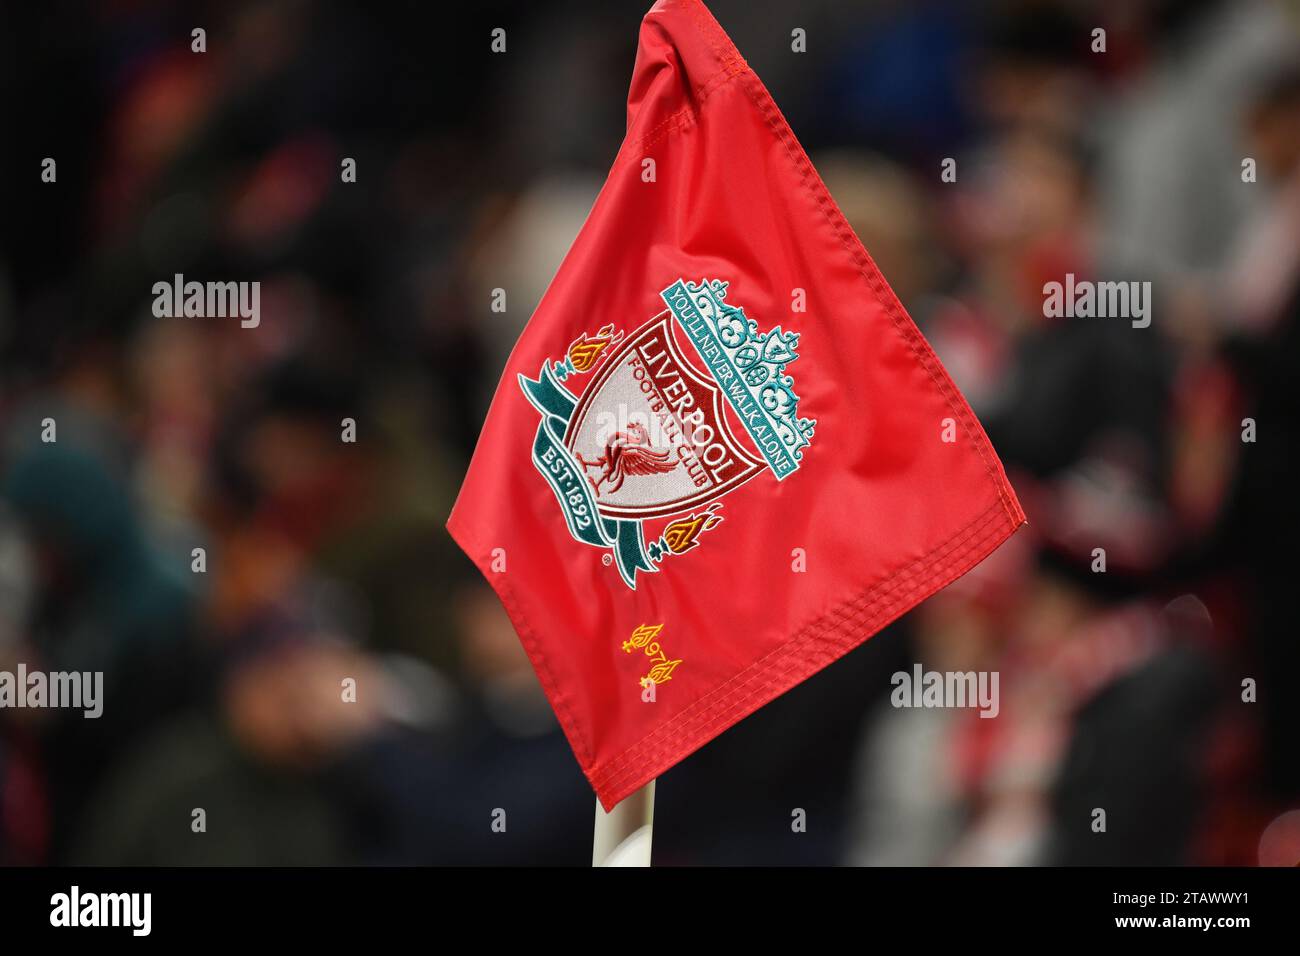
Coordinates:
881 588
880 598
884 296
730 65
724 50
688 115
728 712
717 39
532 647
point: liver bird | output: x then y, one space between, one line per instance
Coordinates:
628 453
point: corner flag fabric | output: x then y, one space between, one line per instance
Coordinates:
721 455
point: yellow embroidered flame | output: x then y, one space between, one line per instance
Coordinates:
643 638
683 534
663 671
586 351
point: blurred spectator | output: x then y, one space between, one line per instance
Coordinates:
325 560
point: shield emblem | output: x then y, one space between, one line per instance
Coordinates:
651 432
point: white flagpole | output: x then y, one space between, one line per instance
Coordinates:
623 836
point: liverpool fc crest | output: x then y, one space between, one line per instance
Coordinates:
684 409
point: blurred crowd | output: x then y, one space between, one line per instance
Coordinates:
1160 690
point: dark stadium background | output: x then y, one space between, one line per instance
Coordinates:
1120 690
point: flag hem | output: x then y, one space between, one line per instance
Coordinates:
815 646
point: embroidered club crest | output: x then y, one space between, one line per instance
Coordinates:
675 415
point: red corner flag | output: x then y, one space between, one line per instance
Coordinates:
721 455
